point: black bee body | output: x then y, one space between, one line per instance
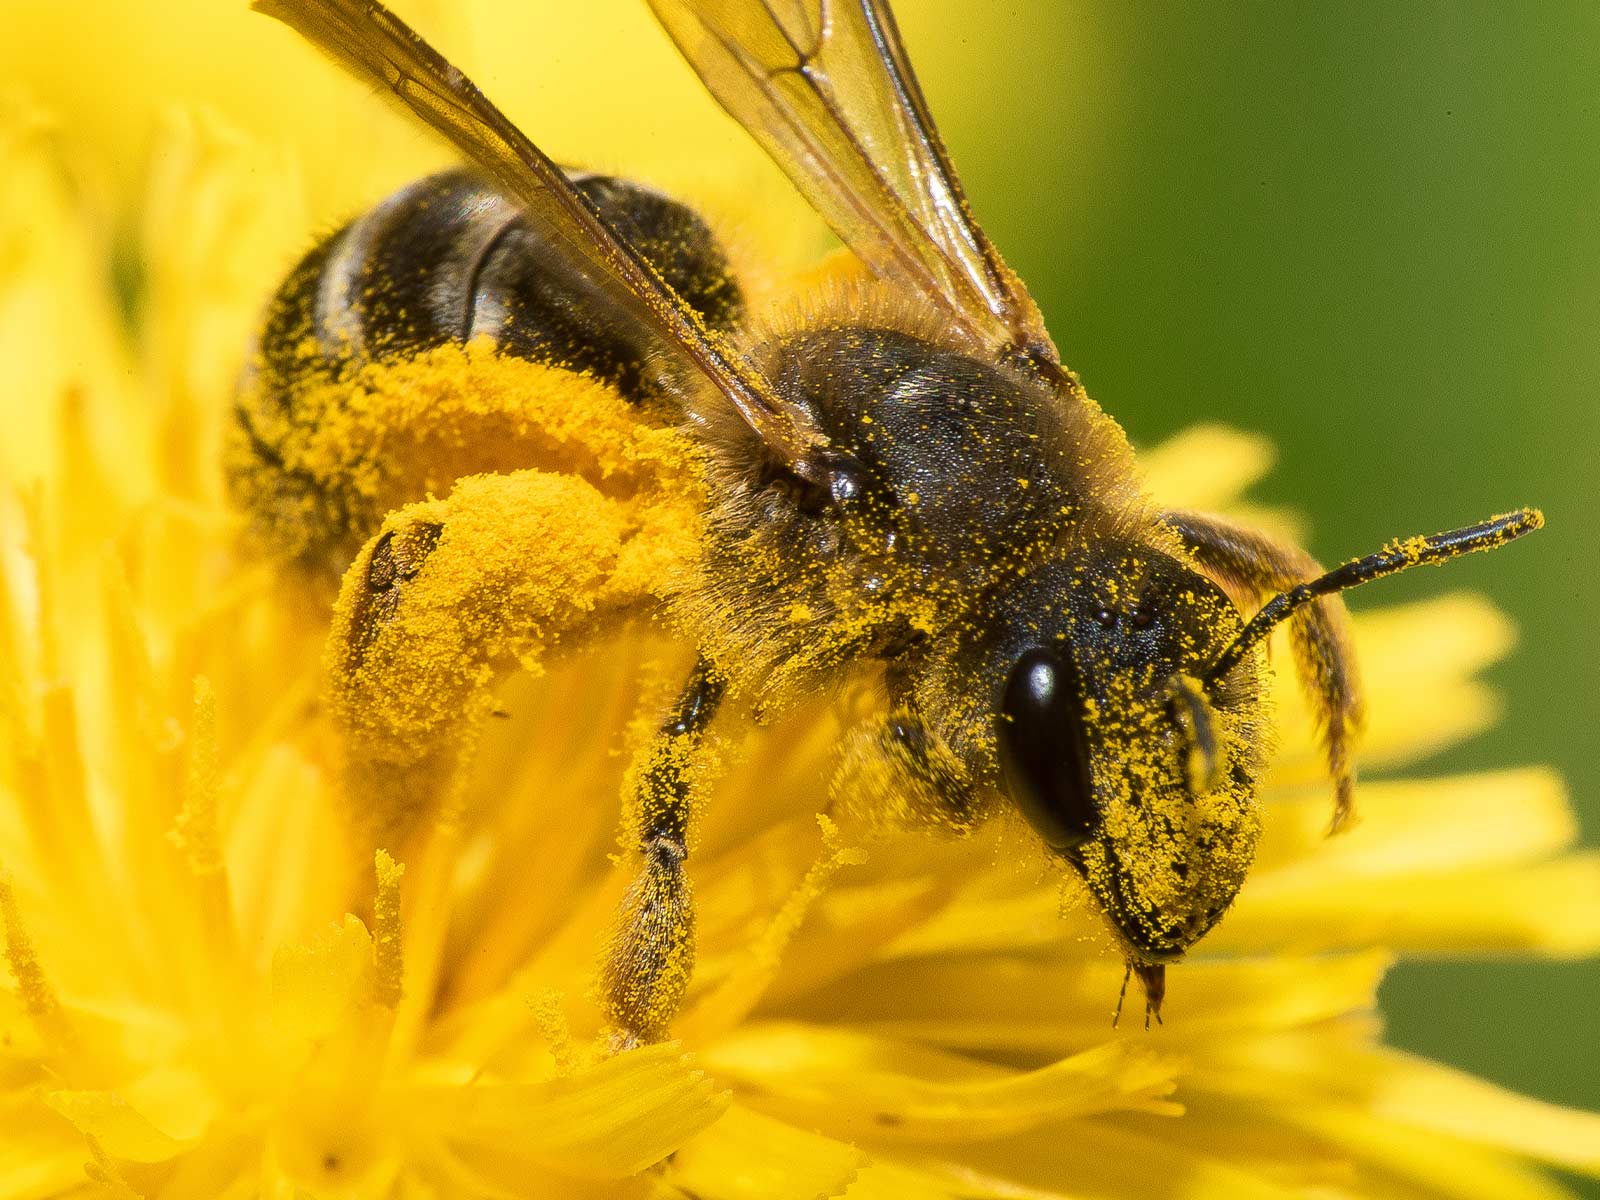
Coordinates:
977 519
448 259
951 476
909 478
972 511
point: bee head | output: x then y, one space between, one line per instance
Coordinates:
1136 773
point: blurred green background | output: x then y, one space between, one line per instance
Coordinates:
1372 231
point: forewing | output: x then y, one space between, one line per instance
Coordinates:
826 88
375 45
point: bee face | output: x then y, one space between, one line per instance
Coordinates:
1097 752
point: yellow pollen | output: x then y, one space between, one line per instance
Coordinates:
553 1027
194 829
39 999
387 946
102 1171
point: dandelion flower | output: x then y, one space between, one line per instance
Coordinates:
221 979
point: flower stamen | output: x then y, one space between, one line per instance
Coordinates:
39 999
387 946
732 999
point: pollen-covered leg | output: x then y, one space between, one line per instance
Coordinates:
651 953
322 449
1319 633
452 593
894 771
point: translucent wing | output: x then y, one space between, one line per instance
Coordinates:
826 88
375 45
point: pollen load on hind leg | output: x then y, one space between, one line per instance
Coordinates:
445 262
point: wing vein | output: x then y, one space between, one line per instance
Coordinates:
847 120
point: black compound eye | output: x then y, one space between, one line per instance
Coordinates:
1044 754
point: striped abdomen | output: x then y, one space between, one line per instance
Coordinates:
445 261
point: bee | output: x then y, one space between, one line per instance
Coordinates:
908 479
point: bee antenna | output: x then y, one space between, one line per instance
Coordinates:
1395 557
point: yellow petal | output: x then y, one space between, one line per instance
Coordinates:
851 927
286 852
884 1180
748 1156
611 1120
737 892
1414 1091
486 1172
999 892
558 843
121 1129
223 215
1122 1158
41 1155
861 1086
174 1099
107 1176
219 1168
58 330
316 987
1206 466
1054 1008
1392 1156
1406 1115
1302 1140
1441 865
1415 827
1418 663
751 974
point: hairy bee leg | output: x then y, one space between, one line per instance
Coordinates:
452 594
895 772
1319 634
651 953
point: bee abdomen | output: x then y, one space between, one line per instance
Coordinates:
450 259
444 261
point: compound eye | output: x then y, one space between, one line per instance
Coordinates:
1044 754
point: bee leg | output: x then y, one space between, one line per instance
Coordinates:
895 772
651 953
450 596
1319 634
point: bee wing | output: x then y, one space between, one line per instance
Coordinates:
826 88
375 45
